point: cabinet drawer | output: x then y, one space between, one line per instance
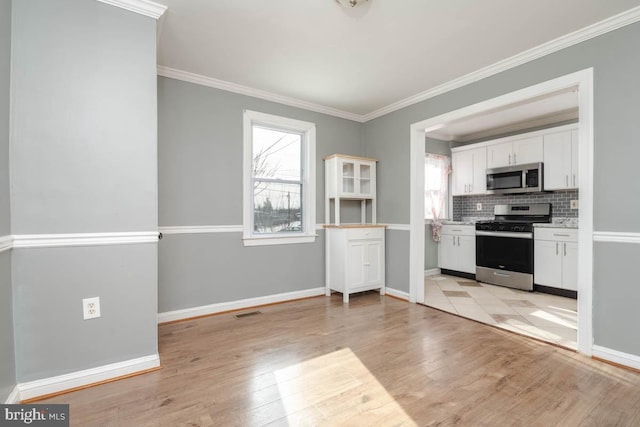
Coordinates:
459 230
365 233
556 234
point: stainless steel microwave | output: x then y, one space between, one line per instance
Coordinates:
525 178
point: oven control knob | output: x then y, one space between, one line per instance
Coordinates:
518 228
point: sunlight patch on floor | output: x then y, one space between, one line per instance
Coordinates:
337 389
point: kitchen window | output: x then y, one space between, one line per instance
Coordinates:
279 180
436 186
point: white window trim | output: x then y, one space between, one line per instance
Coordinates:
308 234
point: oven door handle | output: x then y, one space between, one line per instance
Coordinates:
505 234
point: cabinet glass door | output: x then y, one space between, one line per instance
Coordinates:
348 177
365 178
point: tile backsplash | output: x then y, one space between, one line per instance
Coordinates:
465 206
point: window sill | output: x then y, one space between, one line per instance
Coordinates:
278 240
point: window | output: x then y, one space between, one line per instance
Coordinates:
436 186
279 180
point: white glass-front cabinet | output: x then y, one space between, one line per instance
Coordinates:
354 252
556 257
350 178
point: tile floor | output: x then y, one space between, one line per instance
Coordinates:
543 316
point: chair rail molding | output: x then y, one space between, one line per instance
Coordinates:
83 239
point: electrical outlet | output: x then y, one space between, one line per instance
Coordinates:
478 206
574 204
91 308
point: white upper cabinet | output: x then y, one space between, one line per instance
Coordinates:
561 160
469 171
574 159
515 152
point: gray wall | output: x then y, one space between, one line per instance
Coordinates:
443 148
616 70
7 360
7 349
84 116
200 183
83 159
5 72
50 283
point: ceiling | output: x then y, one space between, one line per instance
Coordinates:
539 111
363 59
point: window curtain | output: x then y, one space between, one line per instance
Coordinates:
436 188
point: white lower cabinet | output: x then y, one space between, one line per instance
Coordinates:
457 248
555 257
355 259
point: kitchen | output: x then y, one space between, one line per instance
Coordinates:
507 252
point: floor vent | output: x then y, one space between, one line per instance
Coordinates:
250 313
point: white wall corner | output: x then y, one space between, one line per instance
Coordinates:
14 396
143 7
397 293
61 383
432 272
615 356
6 243
205 310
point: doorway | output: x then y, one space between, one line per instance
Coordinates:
583 82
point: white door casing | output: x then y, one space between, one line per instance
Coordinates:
583 81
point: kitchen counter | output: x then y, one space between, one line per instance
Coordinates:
559 223
466 221
451 222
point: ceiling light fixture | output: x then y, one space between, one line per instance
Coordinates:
351 3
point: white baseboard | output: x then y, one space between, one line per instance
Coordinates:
170 316
33 389
432 272
396 293
615 356
14 396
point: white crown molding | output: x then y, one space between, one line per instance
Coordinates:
6 243
204 310
610 24
256 93
613 23
616 237
398 227
83 239
615 356
199 229
14 397
397 293
143 7
43 387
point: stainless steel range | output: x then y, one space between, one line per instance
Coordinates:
504 246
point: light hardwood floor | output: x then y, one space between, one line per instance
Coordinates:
375 361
